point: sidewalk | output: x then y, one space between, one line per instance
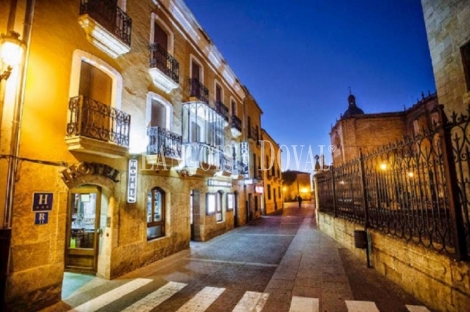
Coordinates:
316 266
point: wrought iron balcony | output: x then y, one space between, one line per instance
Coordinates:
221 109
99 122
253 134
164 143
106 25
198 90
164 68
235 126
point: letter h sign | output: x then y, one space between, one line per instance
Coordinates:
42 201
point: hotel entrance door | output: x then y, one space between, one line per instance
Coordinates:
83 229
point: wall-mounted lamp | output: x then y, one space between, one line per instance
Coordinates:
11 50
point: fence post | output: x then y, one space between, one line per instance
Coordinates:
334 190
455 206
365 204
363 190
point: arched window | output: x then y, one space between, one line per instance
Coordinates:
155 213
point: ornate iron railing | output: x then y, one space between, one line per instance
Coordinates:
164 142
161 59
416 189
98 121
221 109
236 123
198 90
110 16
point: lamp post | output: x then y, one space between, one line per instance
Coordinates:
11 52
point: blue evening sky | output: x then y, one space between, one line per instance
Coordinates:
299 57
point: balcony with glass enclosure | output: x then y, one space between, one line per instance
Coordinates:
203 138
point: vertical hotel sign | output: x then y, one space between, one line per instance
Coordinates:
244 160
132 181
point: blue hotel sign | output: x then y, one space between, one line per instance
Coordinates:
42 203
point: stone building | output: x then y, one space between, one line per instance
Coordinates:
297 183
124 136
448 30
271 173
356 130
253 187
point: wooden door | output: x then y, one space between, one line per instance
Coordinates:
83 229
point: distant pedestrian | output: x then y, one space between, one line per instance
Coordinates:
299 199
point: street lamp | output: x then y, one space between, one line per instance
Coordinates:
11 51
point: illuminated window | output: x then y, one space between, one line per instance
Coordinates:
219 214
230 201
465 51
210 203
155 213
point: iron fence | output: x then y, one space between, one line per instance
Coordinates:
98 121
416 189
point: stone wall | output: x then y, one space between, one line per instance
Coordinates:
438 281
448 29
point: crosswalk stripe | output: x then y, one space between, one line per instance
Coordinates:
202 300
304 304
111 296
415 308
361 306
252 301
155 298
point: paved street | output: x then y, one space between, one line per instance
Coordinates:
276 263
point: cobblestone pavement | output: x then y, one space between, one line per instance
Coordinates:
276 263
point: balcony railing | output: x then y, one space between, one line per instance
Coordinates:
164 141
98 121
221 109
236 123
110 16
198 90
226 163
161 59
253 133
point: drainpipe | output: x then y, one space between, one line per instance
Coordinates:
5 233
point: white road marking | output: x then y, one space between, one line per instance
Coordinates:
202 300
361 306
304 304
251 302
155 298
415 308
111 296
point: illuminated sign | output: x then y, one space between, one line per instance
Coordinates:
259 189
212 182
132 181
